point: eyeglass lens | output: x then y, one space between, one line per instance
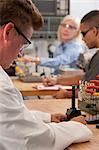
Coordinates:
68 26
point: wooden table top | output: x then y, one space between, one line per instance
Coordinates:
29 89
60 106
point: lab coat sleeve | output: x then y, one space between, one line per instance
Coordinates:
66 133
22 130
58 136
54 136
45 117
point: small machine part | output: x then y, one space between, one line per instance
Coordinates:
94 120
97 126
89 100
72 112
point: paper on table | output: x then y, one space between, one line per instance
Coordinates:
42 87
55 87
65 87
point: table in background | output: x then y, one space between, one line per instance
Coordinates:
29 89
60 106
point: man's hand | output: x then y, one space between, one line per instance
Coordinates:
58 117
80 119
60 94
24 59
61 117
36 60
49 82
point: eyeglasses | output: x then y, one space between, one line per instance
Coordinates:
26 44
68 26
84 33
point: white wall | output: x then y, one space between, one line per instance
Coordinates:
79 8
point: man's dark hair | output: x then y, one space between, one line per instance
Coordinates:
91 18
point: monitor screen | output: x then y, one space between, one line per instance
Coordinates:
46 7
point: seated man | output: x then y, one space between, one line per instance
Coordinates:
90 31
21 128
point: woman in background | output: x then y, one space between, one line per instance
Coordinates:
70 45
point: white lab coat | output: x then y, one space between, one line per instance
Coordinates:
22 129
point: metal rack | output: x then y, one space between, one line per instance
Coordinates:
88 102
49 29
53 11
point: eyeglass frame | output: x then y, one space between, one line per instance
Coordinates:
68 26
19 32
84 33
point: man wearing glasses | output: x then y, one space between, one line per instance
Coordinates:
90 31
21 129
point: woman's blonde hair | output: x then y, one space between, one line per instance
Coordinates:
76 21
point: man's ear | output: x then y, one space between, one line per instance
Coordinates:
8 30
95 31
